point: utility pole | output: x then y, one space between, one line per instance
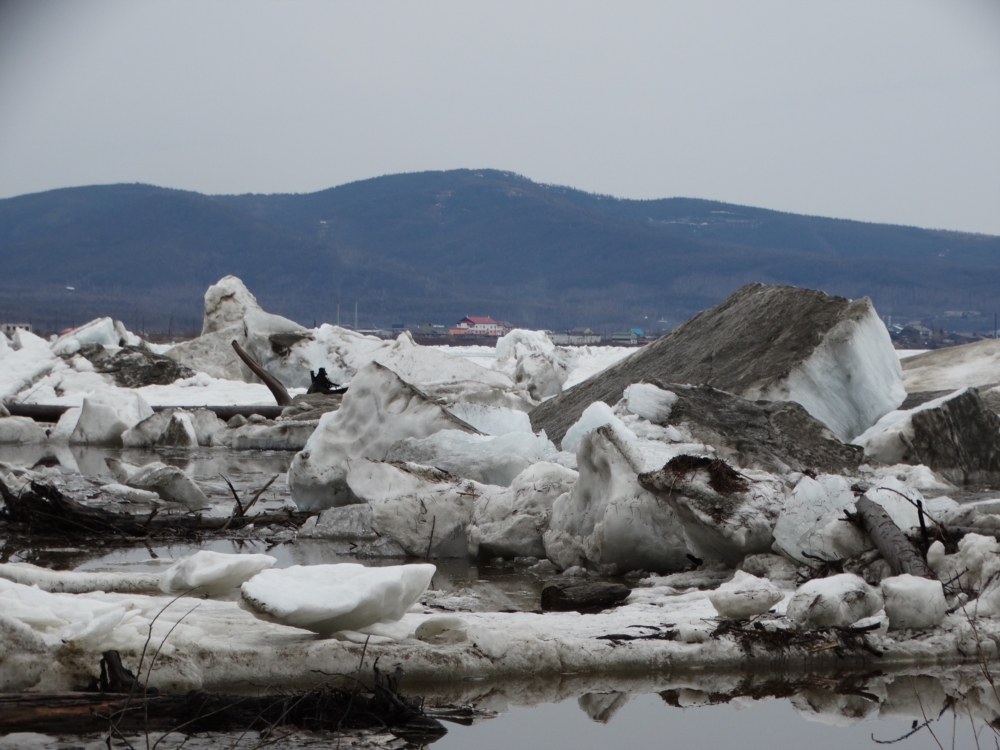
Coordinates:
355 315
338 314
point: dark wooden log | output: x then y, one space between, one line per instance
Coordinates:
52 413
582 596
273 384
894 546
133 708
47 511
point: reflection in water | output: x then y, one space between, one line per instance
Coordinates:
955 707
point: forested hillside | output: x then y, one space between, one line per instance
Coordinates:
440 245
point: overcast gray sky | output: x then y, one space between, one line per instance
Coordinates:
872 109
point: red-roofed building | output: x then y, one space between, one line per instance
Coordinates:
475 326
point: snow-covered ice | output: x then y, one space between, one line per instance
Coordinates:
378 411
812 522
207 573
608 518
837 601
327 599
913 602
954 367
510 523
745 595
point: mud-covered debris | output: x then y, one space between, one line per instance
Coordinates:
586 597
722 477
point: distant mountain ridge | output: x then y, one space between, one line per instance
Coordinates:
440 245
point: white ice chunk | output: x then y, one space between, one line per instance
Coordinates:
425 510
898 500
107 414
378 411
226 302
329 598
650 402
913 602
745 595
207 573
443 629
510 523
100 331
811 522
533 362
492 420
594 416
169 482
837 601
21 430
609 518
486 459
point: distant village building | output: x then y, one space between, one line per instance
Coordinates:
576 337
9 328
476 326
627 338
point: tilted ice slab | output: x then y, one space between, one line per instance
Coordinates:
25 365
812 522
425 510
831 355
976 365
378 411
510 523
956 435
330 598
487 459
608 518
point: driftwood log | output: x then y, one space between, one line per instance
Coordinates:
46 512
273 384
322 709
894 546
